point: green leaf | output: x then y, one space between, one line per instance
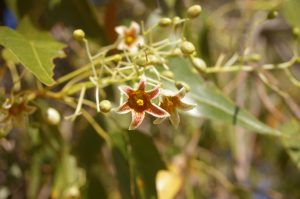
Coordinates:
76 14
147 159
291 141
291 12
68 177
120 158
35 50
212 103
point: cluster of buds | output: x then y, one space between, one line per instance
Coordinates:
140 58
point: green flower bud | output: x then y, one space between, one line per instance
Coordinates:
176 20
78 35
255 57
52 116
168 74
198 63
181 84
153 60
296 32
187 48
164 22
105 106
272 14
73 193
194 11
117 58
176 52
141 61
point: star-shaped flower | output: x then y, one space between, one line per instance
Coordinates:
13 112
138 102
129 37
171 104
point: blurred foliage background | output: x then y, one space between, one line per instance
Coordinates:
203 158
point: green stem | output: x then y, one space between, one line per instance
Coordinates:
238 68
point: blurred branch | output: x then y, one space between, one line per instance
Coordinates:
295 109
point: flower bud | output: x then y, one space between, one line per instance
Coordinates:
168 74
141 61
73 193
194 11
180 84
255 57
78 35
176 20
153 60
52 116
164 22
198 63
176 52
187 48
117 58
272 14
105 106
296 32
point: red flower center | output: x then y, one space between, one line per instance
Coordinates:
139 101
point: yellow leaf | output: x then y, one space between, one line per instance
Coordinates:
168 184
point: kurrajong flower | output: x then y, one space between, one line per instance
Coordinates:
139 102
129 37
171 104
13 112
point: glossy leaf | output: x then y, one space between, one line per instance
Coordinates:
35 50
291 12
120 158
212 103
147 159
76 14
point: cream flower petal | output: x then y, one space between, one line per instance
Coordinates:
181 93
120 30
174 118
135 26
186 107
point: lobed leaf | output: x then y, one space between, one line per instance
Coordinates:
35 52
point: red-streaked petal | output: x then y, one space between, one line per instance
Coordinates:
137 119
156 111
124 108
126 90
153 93
185 107
142 83
174 118
181 93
